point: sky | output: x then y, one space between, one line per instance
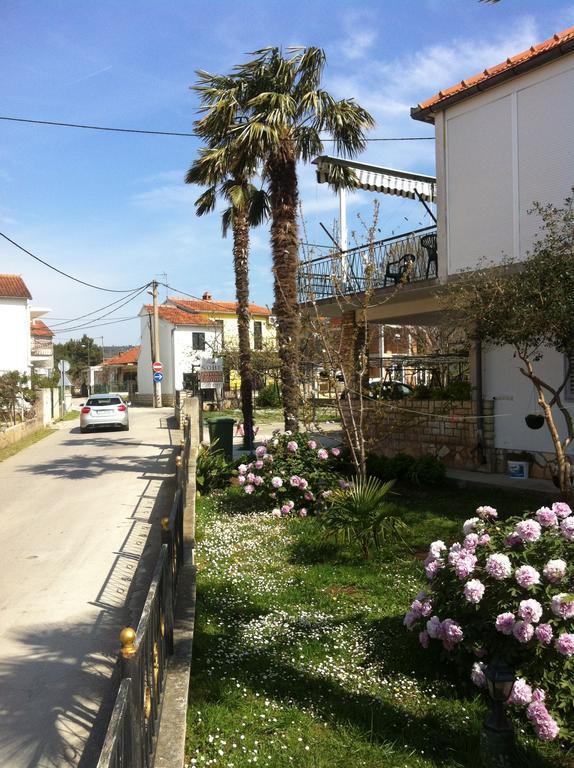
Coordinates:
113 210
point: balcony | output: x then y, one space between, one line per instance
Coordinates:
42 348
411 257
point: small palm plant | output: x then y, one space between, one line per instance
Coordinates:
361 512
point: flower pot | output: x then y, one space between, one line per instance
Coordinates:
534 420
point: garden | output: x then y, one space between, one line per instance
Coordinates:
344 620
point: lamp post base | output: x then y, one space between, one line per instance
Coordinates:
497 748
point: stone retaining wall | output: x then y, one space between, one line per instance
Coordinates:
448 430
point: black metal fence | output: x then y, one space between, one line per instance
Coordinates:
132 732
412 256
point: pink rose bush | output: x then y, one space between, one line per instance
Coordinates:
290 474
506 590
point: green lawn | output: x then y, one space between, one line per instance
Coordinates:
301 658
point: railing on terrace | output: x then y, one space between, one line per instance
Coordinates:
42 348
370 266
132 732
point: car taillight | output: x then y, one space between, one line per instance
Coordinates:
85 410
122 408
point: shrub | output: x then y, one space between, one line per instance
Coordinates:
269 397
212 469
426 470
291 473
507 591
360 512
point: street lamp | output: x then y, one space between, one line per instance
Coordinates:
497 736
88 346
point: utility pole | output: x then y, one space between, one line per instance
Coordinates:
155 348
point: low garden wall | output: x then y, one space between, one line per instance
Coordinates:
448 430
16 433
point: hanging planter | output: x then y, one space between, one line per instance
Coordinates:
534 420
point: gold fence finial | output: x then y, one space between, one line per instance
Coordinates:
128 641
178 462
165 523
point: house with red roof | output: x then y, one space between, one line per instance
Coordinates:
192 330
504 140
26 340
118 373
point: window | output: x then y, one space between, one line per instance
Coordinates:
257 335
570 382
198 341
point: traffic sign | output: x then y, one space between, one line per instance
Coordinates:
63 366
158 376
157 367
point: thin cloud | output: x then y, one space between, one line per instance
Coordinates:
89 76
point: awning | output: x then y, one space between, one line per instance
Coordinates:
375 178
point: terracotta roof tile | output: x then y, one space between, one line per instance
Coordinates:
124 358
219 307
39 328
536 55
179 316
13 287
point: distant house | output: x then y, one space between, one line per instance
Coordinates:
190 330
118 373
26 341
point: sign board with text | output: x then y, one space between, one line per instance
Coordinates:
211 373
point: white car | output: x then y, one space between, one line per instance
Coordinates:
104 411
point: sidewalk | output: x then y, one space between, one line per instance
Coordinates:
464 478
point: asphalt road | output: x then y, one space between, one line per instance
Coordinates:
77 513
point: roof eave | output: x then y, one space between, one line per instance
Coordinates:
426 114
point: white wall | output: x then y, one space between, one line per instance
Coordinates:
497 153
15 335
515 397
185 356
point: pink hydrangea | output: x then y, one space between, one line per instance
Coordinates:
563 606
276 482
474 591
498 566
486 512
561 509
303 484
295 481
248 488
505 623
285 510
290 504
529 530
276 512
292 446
302 512
311 444
483 540
530 610
564 644
435 628
424 638
521 693
241 479
260 451
258 464
250 477
523 631
567 528
257 480
242 469
555 570
470 541
512 540
544 633
546 517
544 724
452 632
477 674
538 695
465 565
308 496
437 548
336 451
526 576
322 454
454 553
432 568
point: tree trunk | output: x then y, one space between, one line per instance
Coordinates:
241 268
285 244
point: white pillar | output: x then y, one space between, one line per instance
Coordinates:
343 230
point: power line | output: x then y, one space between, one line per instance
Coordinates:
107 314
64 321
172 133
65 274
98 325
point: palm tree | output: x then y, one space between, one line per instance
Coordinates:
273 111
247 207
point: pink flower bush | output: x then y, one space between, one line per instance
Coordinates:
498 566
336 451
322 454
487 513
527 576
507 588
292 446
276 482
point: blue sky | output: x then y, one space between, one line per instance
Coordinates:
112 209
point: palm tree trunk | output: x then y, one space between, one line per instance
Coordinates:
241 268
284 244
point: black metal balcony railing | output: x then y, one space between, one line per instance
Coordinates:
412 256
42 348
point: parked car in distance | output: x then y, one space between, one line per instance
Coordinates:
389 390
104 411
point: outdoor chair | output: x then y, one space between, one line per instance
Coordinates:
428 242
397 269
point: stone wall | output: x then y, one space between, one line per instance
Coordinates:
447 430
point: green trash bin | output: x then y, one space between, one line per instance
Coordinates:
222 431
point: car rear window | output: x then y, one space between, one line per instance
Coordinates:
104 401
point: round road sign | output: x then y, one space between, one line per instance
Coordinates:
157 367
158 376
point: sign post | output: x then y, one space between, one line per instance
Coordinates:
63 367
